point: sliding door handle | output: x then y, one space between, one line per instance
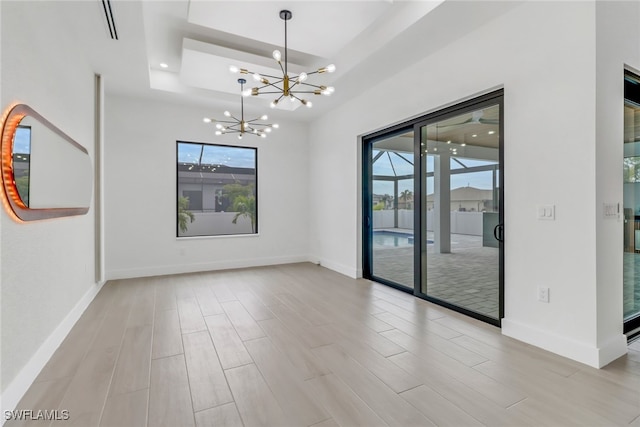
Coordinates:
498 232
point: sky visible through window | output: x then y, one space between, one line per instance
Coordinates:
22 140
240 157
382 166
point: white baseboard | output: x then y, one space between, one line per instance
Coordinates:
205 266
21 383
582 352
340 268
612 349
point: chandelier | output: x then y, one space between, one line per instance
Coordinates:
240 125
286 86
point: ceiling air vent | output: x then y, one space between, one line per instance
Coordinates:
108 14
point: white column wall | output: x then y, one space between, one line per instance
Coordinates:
140 193
47 266
543 55
617 45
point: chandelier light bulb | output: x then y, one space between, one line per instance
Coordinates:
275 126
302 77
276 55
292 98
273 104
328 69
263 135
219 126
218 132
267 130
328 91
234 69
246 92
206 120
257 77
227 114
240 136
264 117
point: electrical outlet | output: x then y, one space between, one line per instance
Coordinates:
543 294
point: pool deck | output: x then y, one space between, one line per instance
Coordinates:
467 277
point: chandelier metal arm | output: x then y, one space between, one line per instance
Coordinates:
310 73
312 85
269 75
264 93
255 120
274 84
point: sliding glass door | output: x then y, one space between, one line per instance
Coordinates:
391 209
461 210
433 222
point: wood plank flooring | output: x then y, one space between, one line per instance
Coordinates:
300 345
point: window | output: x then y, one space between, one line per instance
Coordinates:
217 190
22 161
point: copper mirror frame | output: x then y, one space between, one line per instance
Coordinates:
12 201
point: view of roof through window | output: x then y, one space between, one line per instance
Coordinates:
202 154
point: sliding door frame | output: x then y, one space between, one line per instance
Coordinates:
367 192
631 326
492 98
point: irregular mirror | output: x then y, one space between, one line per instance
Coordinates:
45 173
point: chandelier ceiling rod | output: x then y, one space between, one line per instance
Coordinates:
285 15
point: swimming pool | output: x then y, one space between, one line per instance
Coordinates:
392 238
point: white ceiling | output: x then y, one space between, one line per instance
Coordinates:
367 40
199 40
318 28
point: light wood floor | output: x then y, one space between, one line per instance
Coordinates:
299 345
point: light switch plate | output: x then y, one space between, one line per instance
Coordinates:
611 210
546 212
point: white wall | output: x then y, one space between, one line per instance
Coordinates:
617 45
544 55
47 266
140 193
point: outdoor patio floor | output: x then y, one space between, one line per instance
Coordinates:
631 281
467 277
